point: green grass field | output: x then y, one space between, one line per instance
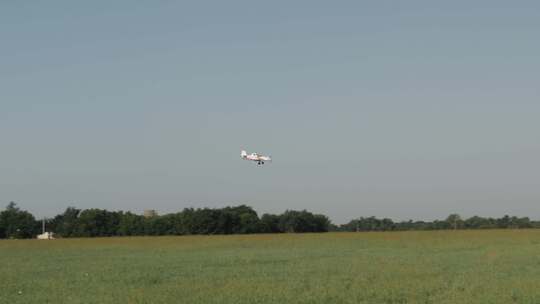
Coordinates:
391 267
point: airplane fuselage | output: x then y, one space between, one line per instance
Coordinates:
256 157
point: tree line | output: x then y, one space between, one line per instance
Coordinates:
73 222
453 221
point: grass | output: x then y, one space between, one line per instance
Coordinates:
495 266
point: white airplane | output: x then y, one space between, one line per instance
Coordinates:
260 159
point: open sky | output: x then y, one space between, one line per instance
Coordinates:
400 109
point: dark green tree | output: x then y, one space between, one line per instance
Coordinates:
65 224
270 223
131 224
302 221
17 224
455 221
97 222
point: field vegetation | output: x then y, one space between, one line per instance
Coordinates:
463 266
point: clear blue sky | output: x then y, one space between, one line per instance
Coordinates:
401 109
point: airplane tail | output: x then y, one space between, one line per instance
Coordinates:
243 154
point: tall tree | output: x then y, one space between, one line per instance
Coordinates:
16 223
270 223
131 224
455 221
65 224
97 222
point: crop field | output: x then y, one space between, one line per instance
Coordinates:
491 266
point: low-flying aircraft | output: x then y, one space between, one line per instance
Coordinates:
260 159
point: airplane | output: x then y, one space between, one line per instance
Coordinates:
260 159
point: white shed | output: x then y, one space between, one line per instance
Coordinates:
46 236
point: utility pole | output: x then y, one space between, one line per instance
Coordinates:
43 226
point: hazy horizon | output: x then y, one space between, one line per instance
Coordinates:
403 110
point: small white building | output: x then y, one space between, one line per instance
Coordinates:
46 236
